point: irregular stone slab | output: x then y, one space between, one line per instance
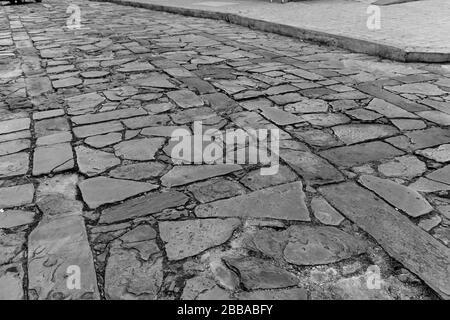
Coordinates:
220 102
163 131
16 195
147 121
15 218
424 88
11 282
181 175
53 246
104 140
325 119
38 85
255 181
138 171
285 202
11 247
419 139
66 82
354 133
82 102
280 117
185 98
92 162
51 126
308 106
101 190
188 238
261 274
156 81
389 110
350 156
215 189
96 129
136 67
65 184
14 164
440 175
107 116
439 154
317 138
282 294
14 125
139 149
427 185
58 205
320 245
325 213
94 74
314 169
194 83
55 138
139 207
398 195
413 247
25 134
437 117
53 158
405 166
127 277
203 288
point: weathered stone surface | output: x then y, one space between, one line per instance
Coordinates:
155 80
404 166
60 137
94 74
14 125
307 106
11 247
180 175
354 133
51 126
139 149
406 124
360 154
261 274
93 162
314 169
101 190
38 85
215 189
255 181
437 117
427 185
16 195
136 67
66 82
57 204
146 121
185 98
163 131
107 116
324 245
11 282
427 89
418 251
389 110
398 195
104 140
15 218
151 203
188 238
96 129
53 246
281 202
325 119
282 294
65 184
439 154
53 158
325 213
317 138
84 102
441 175
419 139
24 134
280 117
203 288
138 171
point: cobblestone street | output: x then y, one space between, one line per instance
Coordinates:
359 208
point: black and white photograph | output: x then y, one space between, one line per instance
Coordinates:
218 158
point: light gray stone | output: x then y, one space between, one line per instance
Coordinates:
138 171
16 195
53 158
325 213
15 218
354 133
405 166
439 154
139 149
93 162
181 175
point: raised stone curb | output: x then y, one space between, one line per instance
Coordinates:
353 44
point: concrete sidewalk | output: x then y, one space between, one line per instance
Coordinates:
415 31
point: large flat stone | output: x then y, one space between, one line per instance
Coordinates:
180 175
92 162
188 238
139 207
14 125
53 158
14 164
350 156
285 202
440 175
107 116
16 195
419 139
418 251
53 246
96 129
101 190
139 149
11 282
15 218
354 133
185 98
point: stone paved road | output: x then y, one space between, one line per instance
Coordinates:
359 208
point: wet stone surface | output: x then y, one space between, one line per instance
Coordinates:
90 177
